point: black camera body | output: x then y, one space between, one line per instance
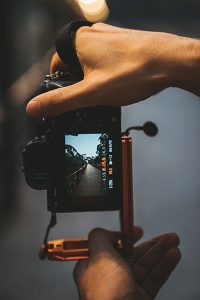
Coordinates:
76 157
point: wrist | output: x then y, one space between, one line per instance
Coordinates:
182 62
166 60
149 59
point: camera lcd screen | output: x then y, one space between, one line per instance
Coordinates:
89 169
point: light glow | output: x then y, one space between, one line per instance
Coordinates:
94 10
92 6
88 1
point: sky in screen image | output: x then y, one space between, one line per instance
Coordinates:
84 143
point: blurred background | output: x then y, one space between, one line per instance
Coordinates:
166 168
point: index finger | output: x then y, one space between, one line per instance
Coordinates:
57 64
58 101
101 240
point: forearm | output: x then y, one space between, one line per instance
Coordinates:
180 60
187 65
157 60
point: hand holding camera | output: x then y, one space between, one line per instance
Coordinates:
107 275
117 70
82 178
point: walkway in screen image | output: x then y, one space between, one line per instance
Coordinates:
90 183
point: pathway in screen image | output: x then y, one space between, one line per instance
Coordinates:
90 183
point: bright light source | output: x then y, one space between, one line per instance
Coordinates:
87 1
94 10
92 6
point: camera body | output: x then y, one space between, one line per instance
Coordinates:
76 157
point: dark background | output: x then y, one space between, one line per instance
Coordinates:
166 168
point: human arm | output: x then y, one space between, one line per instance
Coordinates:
121 67
106 275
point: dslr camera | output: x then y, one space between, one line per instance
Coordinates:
76 156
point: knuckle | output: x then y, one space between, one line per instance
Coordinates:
174 254
175 238
56 97
82 34
171 239
51 106
84 29
95 232
99 25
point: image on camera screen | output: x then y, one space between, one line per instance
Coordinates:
89 165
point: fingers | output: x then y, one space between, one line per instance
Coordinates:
57 64
159 275
154 251
60 100
142 248
157 258
101 240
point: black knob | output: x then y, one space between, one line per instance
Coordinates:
150 129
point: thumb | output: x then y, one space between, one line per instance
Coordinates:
58 101
79 270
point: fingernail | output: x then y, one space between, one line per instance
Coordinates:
33 109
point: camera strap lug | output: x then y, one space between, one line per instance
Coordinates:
44 246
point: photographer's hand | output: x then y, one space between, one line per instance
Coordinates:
106 275
122 66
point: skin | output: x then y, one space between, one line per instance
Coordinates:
121 67
107 275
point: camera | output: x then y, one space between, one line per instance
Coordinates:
84 162
76 156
